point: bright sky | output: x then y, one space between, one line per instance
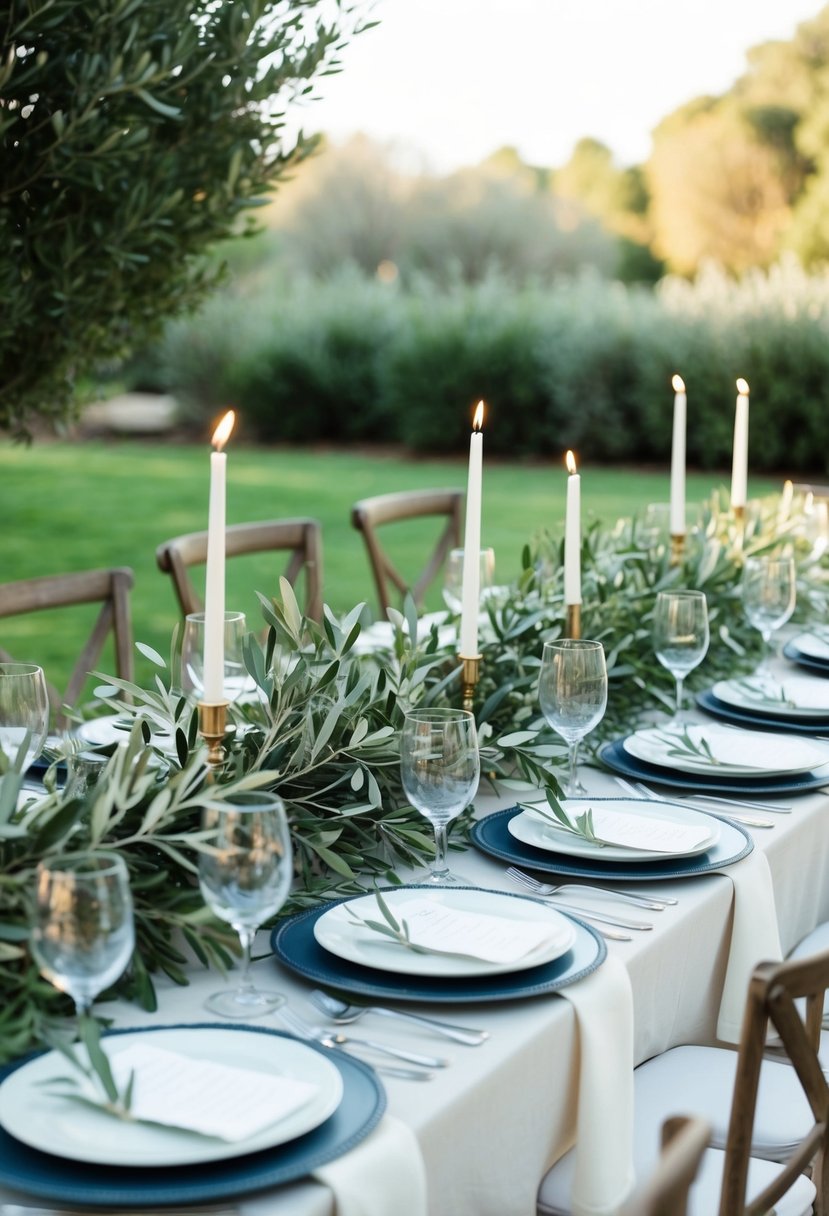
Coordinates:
456 79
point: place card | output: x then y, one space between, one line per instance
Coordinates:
202 1096
647 832
494 939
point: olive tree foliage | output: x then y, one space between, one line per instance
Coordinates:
133 135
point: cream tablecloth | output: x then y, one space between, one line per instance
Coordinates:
490 1125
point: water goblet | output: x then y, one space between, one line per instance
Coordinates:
572 692
440 767
24 713
453 577
236 678
245 875
769 594
82 934
680 635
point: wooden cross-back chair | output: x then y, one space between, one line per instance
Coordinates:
368 515
773 991
111 588
684 1140
766 1133
301 538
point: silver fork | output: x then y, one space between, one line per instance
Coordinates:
303 1031
331 1039
546 888
642 791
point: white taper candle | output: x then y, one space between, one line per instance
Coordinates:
471 595
214 579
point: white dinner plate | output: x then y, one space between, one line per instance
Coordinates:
67 1129
337 933
813 645
793 696
112 728
736 752
536 830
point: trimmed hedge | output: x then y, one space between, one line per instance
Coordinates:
585 364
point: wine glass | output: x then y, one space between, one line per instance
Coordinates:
24 713
245 875
453 577
83 934
572 692
440 767
236 678
680 635
769 594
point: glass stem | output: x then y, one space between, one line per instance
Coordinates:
440 865
246 936
572 773
680 683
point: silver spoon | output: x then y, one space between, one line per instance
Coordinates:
341 1011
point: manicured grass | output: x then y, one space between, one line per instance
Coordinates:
73 506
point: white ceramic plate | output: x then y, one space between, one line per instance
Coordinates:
336 933
736 752
532 829
112 728
793 696
813 645
66 1129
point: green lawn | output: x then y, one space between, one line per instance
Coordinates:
72 506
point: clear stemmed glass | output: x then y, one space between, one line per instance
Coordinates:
769 594
24 712
572 692
680 635
82 934
245 875
453 577
440 767
236 678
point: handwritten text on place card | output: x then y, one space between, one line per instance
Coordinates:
212 1099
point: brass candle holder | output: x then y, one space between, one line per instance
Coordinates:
470 671
573 621
739 514
677 548
213 728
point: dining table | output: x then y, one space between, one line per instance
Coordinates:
476 1139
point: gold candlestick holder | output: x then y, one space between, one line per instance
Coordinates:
573 621
213 728
739 514
677 548
470 671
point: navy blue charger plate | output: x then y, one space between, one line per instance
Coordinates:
80 1184
295 946
820 666
614 756
492 836
758 719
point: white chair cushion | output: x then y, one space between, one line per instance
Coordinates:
701 1079
815 943
704 1198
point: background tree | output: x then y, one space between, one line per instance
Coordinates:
133 135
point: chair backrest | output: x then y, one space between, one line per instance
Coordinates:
684 1140
773 991
301 537
110 588
371 513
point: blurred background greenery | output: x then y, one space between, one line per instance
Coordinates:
377 305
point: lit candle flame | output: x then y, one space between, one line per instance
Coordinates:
678 384
222 431
742 387
570 461
478 418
